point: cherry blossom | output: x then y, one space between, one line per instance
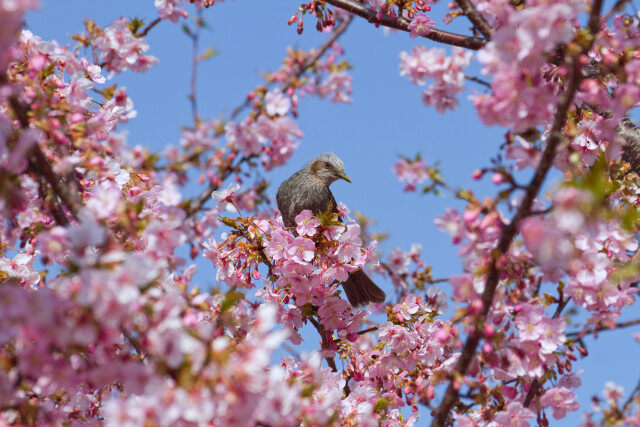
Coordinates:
101 318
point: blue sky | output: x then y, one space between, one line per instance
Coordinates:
386 119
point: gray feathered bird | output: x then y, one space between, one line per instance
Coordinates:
309 189
631 148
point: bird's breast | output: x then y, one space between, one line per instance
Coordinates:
296 195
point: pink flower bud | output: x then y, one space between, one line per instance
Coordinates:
477 174
476 306
96 161
470 215
489 330
442 335
293 19
431 392
134 191
497 178
486 348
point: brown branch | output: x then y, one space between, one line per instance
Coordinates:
402 24
56 210
39 163
325 345
600 328
195 38
631 398
206 193
477 80
510 230
616 8
148 28
364 331
475 17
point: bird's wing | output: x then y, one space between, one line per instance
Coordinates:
334 206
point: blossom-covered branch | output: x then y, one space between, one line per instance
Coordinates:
400 23
510 230
481 24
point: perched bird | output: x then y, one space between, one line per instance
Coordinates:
309 189
631 148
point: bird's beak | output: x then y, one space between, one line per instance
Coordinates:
345 177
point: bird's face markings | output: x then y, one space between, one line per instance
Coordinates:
328 172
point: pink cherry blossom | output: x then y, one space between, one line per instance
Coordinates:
515 415
276 103
406 308
561 400
307 223
302 250
421 25
120 50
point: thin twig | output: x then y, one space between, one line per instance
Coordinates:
313 57
616 7
206 193
148 28
631 397
399 23
325 345
475 17
510 230
601 328
195 38
477 80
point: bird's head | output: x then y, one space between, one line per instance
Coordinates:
328 167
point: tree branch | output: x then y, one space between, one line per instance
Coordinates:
469 42
148 28
195 38
39 164
620 325
325 345
313 57
475 17
615 8
477 80
510 230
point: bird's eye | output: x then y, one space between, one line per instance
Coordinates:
326 165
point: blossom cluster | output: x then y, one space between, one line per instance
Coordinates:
423 64
100 318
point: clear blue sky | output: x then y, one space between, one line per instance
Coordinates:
387 118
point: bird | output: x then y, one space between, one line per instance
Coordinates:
630 133
308 188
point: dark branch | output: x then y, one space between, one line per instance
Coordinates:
601 328
477 80
148 28
510 230
475 17
39 163
325 345
469 42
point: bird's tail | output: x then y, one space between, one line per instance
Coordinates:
361 290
